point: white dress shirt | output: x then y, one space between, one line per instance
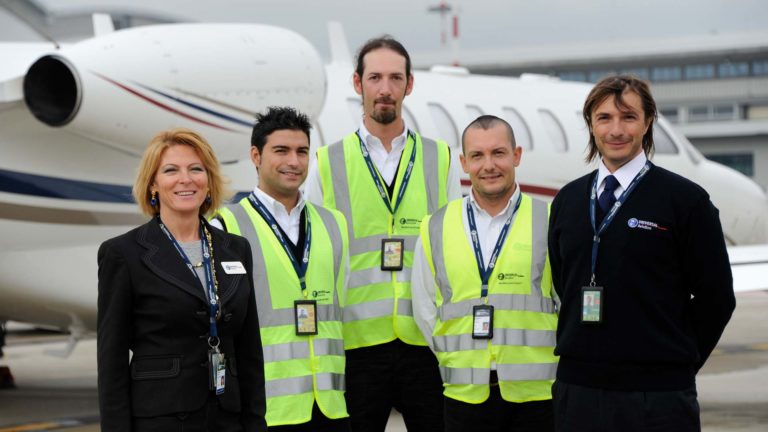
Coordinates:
625 174
289 222
423 283
386 162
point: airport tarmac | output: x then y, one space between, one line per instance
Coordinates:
60 393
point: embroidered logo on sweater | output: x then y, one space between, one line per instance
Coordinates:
646 225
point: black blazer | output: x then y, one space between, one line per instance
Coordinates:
152 305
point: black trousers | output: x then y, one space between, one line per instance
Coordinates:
208 418
497 415
318 423
586 409
397 375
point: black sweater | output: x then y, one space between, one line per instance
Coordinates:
668 289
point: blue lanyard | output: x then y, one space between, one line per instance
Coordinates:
299 267
213 298
598 231
485 273
377 178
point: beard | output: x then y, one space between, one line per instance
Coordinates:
384 117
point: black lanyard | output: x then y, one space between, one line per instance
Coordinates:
377 178
299 267
213 298
485 273
598 231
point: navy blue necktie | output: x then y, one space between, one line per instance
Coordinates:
607 197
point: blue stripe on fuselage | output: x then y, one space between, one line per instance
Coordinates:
56 187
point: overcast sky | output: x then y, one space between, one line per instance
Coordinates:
483 23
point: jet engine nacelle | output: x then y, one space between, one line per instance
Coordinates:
124 87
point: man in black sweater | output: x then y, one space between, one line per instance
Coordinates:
639 262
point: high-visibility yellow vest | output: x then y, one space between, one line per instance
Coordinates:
378 303
520 290
298 370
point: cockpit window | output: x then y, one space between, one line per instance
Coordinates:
662 142
554 130
519 128
445 125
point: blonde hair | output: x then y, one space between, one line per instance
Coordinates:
150 163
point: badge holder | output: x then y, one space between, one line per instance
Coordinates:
392 254
482 319
592 304
305 313
217 365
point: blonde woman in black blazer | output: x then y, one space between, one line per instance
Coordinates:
156 354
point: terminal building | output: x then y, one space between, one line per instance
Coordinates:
714 88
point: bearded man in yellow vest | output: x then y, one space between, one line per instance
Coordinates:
385 178
300 262
484 300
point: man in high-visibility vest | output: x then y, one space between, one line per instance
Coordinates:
484 300
385 178
300 261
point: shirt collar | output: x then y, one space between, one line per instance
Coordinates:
373 141
625 174
504 212
274 205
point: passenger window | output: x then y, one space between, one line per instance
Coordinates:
554 130
473 112
662 142
519 128
410 120
445 125
355 110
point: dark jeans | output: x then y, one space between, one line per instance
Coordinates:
497 415
208 418
318 423
586 409
397 375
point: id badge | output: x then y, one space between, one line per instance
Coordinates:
392 254
482 319
592 304
305 312
218 368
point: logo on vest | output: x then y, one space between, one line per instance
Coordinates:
509 278
321 295
409 222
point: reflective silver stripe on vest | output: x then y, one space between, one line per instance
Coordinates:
373 243
341 185
298 350
506 372
374 275
501 336
518 302
268 316
539 241
303 384
332 227
436 223
533 302
431 175
377 309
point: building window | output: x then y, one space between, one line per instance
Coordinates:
671 114
597 75
742 162
728 69
666 73
699 71
723 112
641 73
698 113
572 76
760 67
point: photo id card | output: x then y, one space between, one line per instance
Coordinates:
218 366
305 312
392 254
482 319
592 304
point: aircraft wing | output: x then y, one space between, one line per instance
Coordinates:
749 265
